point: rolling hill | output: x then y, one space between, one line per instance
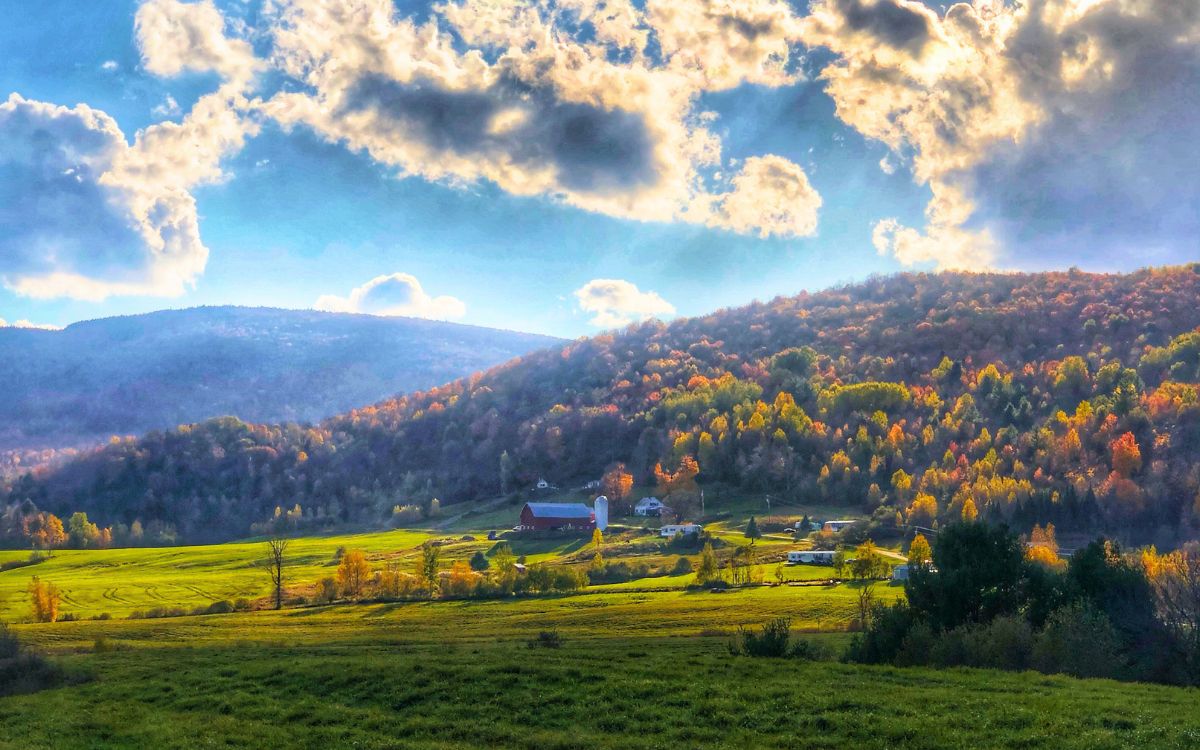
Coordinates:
1067 397
130 375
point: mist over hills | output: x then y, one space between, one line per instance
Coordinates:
132 374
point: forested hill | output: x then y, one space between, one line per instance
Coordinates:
1063 397
129 375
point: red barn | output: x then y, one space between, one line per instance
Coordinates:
546 516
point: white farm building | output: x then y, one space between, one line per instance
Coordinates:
671 529
810 557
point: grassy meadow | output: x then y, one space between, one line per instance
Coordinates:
632 672
642 664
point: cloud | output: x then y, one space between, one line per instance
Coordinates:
557 100
74 225
724 43
394 294
109 65
175 37
86 214
27 324
1044 130
770 196
168 108
615 302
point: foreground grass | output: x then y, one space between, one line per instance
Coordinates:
614 693
637 670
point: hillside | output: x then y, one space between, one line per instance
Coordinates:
130 375
1069 398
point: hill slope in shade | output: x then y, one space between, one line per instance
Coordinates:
1069 398
129 375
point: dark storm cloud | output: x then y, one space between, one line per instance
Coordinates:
888 21
1115 168
592 149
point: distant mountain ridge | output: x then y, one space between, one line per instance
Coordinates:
131 374
1066 398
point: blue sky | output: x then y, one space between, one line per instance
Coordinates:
364 202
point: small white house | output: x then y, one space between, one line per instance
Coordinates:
836 526
687 529
648 506
810 557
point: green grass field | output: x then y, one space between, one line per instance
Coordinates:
634 671
644 663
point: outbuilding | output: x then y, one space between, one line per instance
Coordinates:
648 506
836 526
810 557
687 529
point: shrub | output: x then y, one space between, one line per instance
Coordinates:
616 572
479 561
327 590
546 639
884 640
810 650
1004 643
772 641
1078 640
683 566
9 645
21 670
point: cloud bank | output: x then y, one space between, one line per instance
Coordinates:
1048 131
397 294
1062 129
86 214
614 302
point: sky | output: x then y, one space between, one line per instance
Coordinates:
572 166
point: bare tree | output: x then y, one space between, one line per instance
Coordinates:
276 548
1177 584
866 602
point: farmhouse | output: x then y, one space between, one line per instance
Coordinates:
686 529
648 506
836 526
810 556
548 516
900 573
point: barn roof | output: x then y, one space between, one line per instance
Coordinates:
559 510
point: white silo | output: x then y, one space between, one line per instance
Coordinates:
601 511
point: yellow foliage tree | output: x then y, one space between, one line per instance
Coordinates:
969 511
919 552
352 573
43 600
462 580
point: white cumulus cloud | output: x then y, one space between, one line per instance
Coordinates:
86 214
175 37
29 324
616 302
394 294
769 196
